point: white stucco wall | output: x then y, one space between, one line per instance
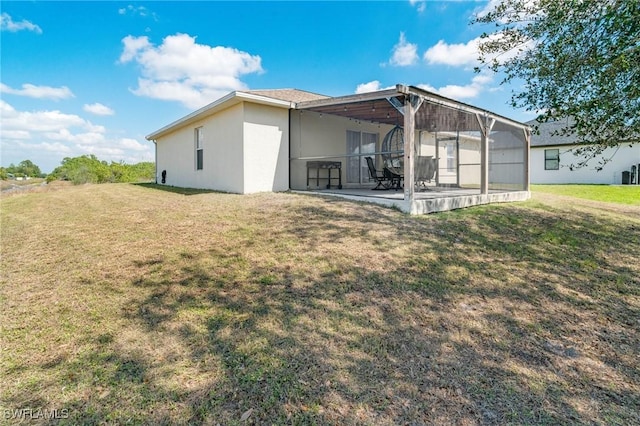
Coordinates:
316 135
222 151
266 148
610 174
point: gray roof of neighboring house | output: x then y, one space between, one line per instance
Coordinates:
290 95
547 136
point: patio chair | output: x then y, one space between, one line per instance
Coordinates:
382 179
425 170
395 179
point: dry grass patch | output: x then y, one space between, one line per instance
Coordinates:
124 303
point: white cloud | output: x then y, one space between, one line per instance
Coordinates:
98 109
460 54
182 70
132 144
467 54
39 92
15 134
40 121
40 134
480 83
404 53
420 5
133 45
137 10
372 86
7 24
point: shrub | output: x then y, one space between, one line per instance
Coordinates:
88 169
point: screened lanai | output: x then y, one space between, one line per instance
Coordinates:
408 147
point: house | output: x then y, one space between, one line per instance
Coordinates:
554 159
289 139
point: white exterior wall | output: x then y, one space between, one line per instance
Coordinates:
622 160
222 151
316 135
266 148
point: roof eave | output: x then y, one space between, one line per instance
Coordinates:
220 104
339 100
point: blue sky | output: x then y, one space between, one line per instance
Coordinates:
97 77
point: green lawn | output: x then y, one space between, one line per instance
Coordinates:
125 304
622 194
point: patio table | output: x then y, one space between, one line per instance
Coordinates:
324 165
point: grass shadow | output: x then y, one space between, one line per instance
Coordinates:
302 311
176 190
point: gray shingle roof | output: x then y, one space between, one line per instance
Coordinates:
546 136
290 95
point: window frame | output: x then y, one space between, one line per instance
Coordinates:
359 163
555 158
198 136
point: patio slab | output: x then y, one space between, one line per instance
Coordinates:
429 201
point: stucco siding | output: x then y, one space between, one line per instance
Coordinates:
622 159
222 153
266 148
315 135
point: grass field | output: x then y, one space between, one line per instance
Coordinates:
126 304
622 194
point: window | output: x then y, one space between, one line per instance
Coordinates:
199 137
359 143
451 157
551 159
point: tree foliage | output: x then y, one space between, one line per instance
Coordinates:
577 58
24 168
89 169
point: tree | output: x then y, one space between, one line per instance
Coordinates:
577 58
89 169
25 168
29 168
83 169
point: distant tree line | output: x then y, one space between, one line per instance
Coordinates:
84 169
88 169
25 168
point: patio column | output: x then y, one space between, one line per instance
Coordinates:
411 104
485 130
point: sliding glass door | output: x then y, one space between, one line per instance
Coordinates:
359 144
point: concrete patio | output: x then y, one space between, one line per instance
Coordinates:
431 200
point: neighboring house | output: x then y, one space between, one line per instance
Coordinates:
276 140
553 159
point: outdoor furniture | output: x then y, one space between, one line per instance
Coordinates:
384 178
425 170
324 165
395 179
